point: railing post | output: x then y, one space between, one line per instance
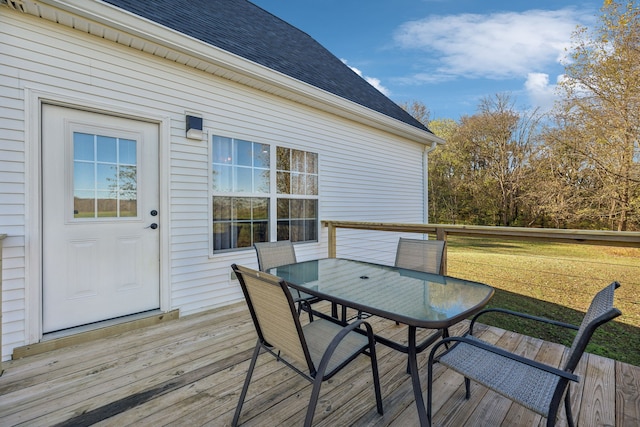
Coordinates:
332 240
441 234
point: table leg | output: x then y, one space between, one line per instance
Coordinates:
415 378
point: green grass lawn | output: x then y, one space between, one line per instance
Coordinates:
556 281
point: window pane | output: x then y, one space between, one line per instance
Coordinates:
222 235
261 180
297 161
127 152
283 230
283 159
107 149
297 183
84 204
261 231
106 177
83 146
107 204
297 231
244 154
283 182
110 179
312 163
312 185
283 208
261 157
243 180
311 230
83 178
311 209
240 166
222 150
128 208
242 208
128 182
222 178
297 208
244 234
260 209
222 208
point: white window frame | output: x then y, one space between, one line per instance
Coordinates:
272 195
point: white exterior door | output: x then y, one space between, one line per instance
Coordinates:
100 217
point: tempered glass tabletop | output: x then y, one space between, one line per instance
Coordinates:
408 296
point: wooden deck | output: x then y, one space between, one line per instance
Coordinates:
190 372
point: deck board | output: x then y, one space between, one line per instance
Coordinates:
190 372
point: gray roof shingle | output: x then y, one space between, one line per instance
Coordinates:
242 28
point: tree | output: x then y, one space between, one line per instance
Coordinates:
418 110
500 140
600 114
447 166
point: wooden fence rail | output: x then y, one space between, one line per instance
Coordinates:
441 231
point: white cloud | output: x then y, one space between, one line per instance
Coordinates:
497 46
540 92
371 80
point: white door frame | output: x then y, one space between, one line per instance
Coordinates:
34 99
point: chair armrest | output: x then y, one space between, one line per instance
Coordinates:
504 353
522 315
324 362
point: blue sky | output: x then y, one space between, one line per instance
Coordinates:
448 54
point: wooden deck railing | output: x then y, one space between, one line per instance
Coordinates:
441 231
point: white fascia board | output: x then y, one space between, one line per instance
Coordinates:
134 25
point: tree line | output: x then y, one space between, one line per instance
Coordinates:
577 166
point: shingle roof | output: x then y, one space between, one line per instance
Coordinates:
242 28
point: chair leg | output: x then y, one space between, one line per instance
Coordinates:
567 408
376 377
245 387
429 389
467 386
313 401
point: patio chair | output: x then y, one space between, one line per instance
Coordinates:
420 255
537 386
322 347
275 254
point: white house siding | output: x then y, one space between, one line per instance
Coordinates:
365 174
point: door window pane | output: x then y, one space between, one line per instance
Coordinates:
107 149
104 177
83 146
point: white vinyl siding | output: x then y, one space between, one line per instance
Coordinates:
364 174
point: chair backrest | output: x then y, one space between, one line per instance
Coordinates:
273 312
421 255
601 310
274 254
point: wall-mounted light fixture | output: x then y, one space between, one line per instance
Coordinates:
194 127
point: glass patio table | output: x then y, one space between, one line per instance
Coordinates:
416 299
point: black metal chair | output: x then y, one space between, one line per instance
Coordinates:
275 254
536 386
322 347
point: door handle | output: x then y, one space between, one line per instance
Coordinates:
152 226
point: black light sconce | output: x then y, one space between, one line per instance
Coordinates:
194 127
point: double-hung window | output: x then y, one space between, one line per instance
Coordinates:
261 193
